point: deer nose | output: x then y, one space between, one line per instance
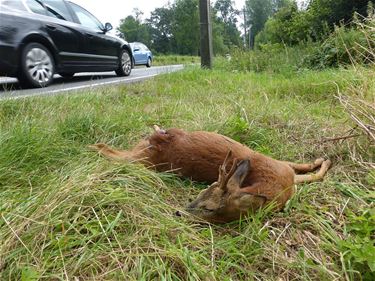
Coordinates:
178 214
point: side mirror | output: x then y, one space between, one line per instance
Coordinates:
108 27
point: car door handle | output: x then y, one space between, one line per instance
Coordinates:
51 26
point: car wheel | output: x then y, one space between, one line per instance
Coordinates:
37 66
149 62
67 74
125 67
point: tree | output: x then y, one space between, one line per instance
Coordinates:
227 17
160 23
185 27
175 28
258 12
291 26
332 12
280 28
132 29
227 12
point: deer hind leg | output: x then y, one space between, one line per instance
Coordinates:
305 168
314 177
139 153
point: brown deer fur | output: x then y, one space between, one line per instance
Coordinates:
200 155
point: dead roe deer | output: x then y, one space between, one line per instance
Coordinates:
256 181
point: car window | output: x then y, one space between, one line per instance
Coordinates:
57 9
144 47
36 7
85 18
14 4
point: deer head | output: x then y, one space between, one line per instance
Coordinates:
224 201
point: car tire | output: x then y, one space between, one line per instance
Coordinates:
125 67
149 62
37 66
67 74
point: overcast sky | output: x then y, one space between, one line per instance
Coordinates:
114 10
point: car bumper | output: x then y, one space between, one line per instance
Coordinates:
8 60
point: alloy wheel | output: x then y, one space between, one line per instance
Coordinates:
39 65
126 64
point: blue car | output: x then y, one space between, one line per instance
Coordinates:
142 55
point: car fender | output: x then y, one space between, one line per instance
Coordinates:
39 38
126 46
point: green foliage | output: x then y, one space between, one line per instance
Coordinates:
174 28
225 16
29 274
171 59
287 26
345 46
160 23
333 12
292 26
185 27
132 29
358 248
276 58
258 12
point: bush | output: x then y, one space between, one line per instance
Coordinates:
343 47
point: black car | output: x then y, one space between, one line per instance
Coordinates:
39 38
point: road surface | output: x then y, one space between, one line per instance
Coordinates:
9 88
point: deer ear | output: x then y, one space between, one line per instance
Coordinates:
157 140
240 174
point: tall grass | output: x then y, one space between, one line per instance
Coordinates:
175 59
271 58
67 214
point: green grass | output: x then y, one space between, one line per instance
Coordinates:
175 59
67 213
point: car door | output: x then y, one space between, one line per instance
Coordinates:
140 54
137 53
102 49
58 24
144 54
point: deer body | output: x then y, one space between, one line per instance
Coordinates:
200 155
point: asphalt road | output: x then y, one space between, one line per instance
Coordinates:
9 88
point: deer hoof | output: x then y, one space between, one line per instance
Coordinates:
319 162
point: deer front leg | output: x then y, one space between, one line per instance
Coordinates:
306 167
313 177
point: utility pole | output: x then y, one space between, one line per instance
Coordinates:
206 34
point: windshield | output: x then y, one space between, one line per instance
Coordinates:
13 4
